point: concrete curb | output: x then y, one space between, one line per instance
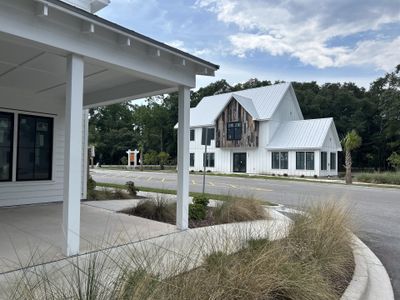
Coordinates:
370 280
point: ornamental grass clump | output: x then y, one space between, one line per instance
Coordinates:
313 262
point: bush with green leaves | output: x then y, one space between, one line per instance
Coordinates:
197 212
201 200
151 158
132 189
394 160
124 160
163 159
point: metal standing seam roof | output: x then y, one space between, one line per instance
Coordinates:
260 102
301 134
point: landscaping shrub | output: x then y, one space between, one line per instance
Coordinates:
91 184
124 161
201 199
197 212
314 262
384 177
239 210
132 189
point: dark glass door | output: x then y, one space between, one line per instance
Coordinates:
239 162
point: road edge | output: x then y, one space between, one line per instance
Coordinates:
370 279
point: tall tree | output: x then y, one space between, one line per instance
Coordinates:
350 142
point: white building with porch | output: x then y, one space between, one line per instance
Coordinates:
57 59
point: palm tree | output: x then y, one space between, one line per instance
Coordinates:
350 142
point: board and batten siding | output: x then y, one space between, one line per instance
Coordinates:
30 192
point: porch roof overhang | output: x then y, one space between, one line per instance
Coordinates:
37 36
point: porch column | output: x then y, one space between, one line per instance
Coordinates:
182 215
73 154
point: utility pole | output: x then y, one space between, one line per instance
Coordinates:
205 160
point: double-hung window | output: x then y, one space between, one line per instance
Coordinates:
300 160
6 145
333 161
192 134
191 162
234 131
35 147
309 160
280 160
324 161
209 160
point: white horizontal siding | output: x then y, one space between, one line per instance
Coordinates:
31 192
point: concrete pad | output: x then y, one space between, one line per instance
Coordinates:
33 234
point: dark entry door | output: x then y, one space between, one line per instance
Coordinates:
239 162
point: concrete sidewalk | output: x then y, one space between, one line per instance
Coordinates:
32 234
165 255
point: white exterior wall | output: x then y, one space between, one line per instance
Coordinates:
29 192
259 160
330 147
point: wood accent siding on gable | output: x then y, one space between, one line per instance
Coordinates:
234 112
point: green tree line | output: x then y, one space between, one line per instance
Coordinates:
374 114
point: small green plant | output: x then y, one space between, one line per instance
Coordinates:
197 212
163 159
201 199
124 160
132 189
394 160
91 184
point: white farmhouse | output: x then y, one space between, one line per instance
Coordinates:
58 59
262 131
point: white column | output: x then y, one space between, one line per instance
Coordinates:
73 154
129 157
182 213
135 153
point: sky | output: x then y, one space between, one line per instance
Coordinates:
290 40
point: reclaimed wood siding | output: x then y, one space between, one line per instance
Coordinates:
234 112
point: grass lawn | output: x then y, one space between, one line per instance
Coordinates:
173 192
379 178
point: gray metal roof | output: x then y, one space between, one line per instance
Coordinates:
260 102
302 134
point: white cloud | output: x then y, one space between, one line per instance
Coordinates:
305 29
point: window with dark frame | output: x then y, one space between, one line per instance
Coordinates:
309 160
283 160
192 134
275 160
6 145
234 131
333 161
210 161
35 147
300 160
191 163
324 161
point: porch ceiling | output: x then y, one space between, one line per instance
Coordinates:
41 71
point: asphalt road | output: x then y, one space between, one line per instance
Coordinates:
376 210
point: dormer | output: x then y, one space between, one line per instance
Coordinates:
91 6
